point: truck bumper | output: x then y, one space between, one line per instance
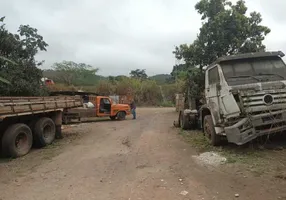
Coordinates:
252 127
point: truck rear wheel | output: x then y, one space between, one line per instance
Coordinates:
209 131
121 115
17 140
44 132
184 121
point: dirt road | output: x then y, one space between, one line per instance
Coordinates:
131 160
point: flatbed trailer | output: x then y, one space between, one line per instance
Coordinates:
27 121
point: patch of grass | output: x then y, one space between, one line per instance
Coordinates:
259 157
254 159
197 140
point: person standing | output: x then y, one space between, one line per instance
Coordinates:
133 109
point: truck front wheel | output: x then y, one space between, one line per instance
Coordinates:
44 132
17 140
121 115
209 131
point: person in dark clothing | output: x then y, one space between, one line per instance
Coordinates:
133 109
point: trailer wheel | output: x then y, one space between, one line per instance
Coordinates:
209 131
112 117
121 115
184 121
17 140
44 132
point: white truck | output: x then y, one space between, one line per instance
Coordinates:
245 97
27 121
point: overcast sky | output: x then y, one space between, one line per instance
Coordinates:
120 35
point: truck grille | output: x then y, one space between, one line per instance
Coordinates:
264 101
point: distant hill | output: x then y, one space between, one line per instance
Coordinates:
51 74
160 78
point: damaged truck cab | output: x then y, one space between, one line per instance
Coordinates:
245 97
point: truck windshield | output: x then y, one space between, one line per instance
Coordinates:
239 72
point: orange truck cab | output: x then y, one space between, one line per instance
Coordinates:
104 107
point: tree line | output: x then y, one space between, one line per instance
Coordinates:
226 29
145 90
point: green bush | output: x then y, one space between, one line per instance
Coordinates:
145 92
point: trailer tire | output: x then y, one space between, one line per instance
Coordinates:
17 140
184 122
44 132
209 131
121 115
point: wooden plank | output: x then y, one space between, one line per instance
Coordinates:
28 113
36 102
19 100
17 105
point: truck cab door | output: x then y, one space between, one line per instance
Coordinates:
212 92
104 106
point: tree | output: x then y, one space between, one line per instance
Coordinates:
178 69
19 66
104 88
226 30
114 79
72 73
161 79
139 74
3 80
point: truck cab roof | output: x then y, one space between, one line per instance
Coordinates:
247 56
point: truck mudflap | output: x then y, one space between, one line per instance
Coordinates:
249 128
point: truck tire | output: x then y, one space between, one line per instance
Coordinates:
209 131
17 140
184 122
121 115
44 132
112 117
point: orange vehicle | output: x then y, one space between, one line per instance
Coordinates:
104 107
95 106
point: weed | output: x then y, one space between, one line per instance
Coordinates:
255 158
197 140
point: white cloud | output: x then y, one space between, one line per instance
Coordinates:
118 36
